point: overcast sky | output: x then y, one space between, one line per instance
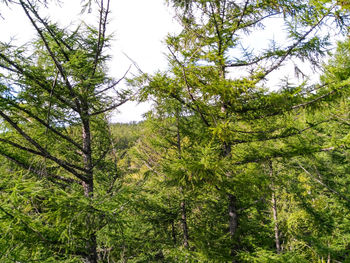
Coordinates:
139 27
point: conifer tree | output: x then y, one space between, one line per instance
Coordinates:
220 82
54 100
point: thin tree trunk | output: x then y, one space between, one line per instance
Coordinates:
183 201
233 223
274 211
91 243
232 209
276 228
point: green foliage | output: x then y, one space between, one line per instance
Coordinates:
224 169
214 132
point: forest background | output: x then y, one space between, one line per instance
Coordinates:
231 164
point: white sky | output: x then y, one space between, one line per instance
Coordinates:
140 28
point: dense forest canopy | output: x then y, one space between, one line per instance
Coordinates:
225 168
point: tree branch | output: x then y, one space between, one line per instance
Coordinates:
61 163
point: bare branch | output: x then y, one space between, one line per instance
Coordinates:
115 83
113 107
293 46
101 32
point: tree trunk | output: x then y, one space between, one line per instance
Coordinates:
233 223
91 243
232 208
183 202
274 211
276 228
